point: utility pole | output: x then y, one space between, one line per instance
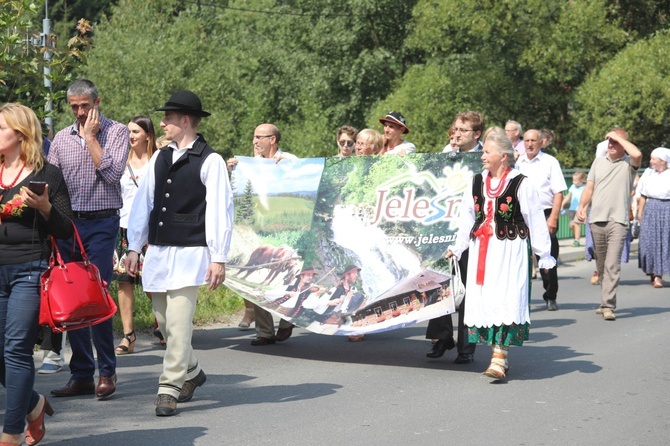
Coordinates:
46 44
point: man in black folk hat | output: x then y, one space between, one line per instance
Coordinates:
394 128
184 210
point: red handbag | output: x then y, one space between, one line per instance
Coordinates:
73 295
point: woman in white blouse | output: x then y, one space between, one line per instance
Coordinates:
142 146
654 215
497 215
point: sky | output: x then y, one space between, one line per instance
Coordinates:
284 177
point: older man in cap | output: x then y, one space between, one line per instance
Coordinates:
394 128
184 210
92 154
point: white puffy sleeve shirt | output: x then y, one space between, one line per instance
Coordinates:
174 267
532 213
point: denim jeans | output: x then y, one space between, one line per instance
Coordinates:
19 311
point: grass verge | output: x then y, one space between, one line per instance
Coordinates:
213 306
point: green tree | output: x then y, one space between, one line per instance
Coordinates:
308 66
245 207
66 14
509 59
153 48
630 91
22 58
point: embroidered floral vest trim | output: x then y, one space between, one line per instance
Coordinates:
508 218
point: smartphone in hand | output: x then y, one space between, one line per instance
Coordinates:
37 187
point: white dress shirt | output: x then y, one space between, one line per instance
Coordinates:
545 174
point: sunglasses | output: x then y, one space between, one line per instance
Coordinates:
346 143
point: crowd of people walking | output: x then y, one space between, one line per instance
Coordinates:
163 218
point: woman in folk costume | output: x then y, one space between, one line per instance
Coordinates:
500 220
653 212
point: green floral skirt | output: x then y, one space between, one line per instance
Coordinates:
505 335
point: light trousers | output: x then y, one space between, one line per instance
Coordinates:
265 325
608 241
174 312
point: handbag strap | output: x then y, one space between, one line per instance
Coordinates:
55 252
84 257
132 174
455 267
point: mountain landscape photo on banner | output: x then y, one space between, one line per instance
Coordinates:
348 246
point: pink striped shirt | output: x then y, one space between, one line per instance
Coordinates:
91 188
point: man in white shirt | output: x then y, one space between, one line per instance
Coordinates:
544 172
394 128
184 211
266 145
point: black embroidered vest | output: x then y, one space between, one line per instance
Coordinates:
509 222
178 216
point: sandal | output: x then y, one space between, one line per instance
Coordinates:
499 365
247 320
658 282
35 429
158 334
123 349
595 279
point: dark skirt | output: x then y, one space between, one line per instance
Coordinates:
654 245
120 254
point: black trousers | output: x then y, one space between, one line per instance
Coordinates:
443 327
550 277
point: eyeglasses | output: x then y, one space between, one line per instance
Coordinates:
346 143
362 143
263 136
462 130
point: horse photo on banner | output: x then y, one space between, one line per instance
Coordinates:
348 246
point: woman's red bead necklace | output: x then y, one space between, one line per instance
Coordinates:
495 192
9 186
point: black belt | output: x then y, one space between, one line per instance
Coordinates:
93 215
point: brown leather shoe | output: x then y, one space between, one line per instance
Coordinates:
166 405
190 385
75 388
106 387
262 341
284 333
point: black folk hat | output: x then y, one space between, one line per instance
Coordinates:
349 268
396 118
186 102
307 270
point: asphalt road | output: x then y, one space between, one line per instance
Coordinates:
580 380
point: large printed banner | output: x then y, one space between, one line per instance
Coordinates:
348 246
